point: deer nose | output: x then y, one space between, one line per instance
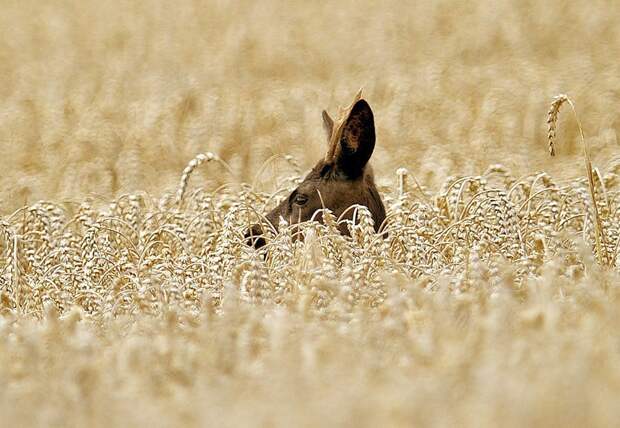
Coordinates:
254 237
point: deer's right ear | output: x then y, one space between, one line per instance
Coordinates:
328 125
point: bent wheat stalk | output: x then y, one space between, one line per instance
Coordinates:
189 169
552 118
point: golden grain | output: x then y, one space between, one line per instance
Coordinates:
129 298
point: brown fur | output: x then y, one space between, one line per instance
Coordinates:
342 179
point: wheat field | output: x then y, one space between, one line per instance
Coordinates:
140 140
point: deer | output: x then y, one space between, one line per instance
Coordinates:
339 181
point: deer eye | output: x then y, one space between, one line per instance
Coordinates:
300 199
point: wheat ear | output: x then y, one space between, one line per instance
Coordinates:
552 120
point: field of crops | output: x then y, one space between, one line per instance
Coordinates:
139 141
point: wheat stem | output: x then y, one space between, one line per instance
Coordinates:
16 289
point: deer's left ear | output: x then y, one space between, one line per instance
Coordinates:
357 140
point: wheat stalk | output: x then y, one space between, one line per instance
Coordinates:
552 119
189 169
16 273
187 173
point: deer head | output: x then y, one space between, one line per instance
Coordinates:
342 179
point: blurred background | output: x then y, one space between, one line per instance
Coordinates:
102 98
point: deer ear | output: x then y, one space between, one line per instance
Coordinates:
328 124
357 140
